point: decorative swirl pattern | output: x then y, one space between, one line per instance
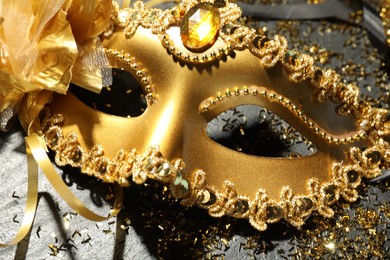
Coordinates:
345 178
192 189
269 51
298 66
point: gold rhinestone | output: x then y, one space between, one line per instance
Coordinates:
200 27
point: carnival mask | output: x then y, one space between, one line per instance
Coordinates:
194 62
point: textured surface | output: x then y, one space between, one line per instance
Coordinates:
55 224
152 226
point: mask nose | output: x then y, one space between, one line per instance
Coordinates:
166 125
173 119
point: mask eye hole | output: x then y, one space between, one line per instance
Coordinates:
125 97
257 131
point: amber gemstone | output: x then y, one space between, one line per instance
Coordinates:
200 27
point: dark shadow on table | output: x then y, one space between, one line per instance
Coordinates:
22 247
171 231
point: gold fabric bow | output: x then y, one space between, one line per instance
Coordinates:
44 45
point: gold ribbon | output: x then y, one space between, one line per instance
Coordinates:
36 155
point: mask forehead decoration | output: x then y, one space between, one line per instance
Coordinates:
195 61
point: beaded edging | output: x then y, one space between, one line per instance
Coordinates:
126 166
193 189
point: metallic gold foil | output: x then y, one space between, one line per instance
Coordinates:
175 123
43 44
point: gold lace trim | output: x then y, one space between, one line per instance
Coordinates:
346 176
193 190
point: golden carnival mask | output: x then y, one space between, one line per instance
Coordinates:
195 61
